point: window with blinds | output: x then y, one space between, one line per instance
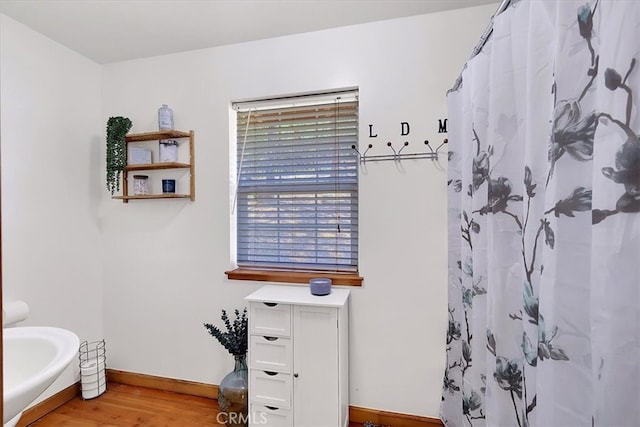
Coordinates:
297 192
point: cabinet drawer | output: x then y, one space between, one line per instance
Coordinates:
270 319
270 416
270 353
270 388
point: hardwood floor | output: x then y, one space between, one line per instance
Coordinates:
132 406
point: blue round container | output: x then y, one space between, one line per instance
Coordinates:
168 186
320 286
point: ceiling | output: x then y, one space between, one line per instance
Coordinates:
117 30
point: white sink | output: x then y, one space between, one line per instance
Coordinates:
34 356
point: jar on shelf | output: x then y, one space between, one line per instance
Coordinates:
168 186
165 117
140 185
168 149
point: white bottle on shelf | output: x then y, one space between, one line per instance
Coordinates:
165 117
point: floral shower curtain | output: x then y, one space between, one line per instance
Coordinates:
544 221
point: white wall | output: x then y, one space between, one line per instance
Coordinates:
51 177
165 260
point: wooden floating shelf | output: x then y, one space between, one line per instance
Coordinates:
154 196
154 136
153 166
159 136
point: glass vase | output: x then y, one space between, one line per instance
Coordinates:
233 394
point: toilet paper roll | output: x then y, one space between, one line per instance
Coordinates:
91 367
91 392
14 312
91 363
91 381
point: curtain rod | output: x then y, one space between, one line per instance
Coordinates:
483 40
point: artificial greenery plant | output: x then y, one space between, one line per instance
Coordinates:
235 338
117 128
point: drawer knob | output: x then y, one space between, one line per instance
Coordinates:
295 375
270 373
270 304
270 338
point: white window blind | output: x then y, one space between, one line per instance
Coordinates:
297 195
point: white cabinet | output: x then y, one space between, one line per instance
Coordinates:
298 357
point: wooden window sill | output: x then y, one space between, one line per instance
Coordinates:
340 279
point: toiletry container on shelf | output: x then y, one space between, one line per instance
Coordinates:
168 149
165 118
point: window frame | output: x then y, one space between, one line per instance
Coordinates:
283 274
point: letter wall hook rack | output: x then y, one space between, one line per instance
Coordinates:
397 154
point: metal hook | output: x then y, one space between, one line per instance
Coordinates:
395 153
362 157
406 143
426 141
